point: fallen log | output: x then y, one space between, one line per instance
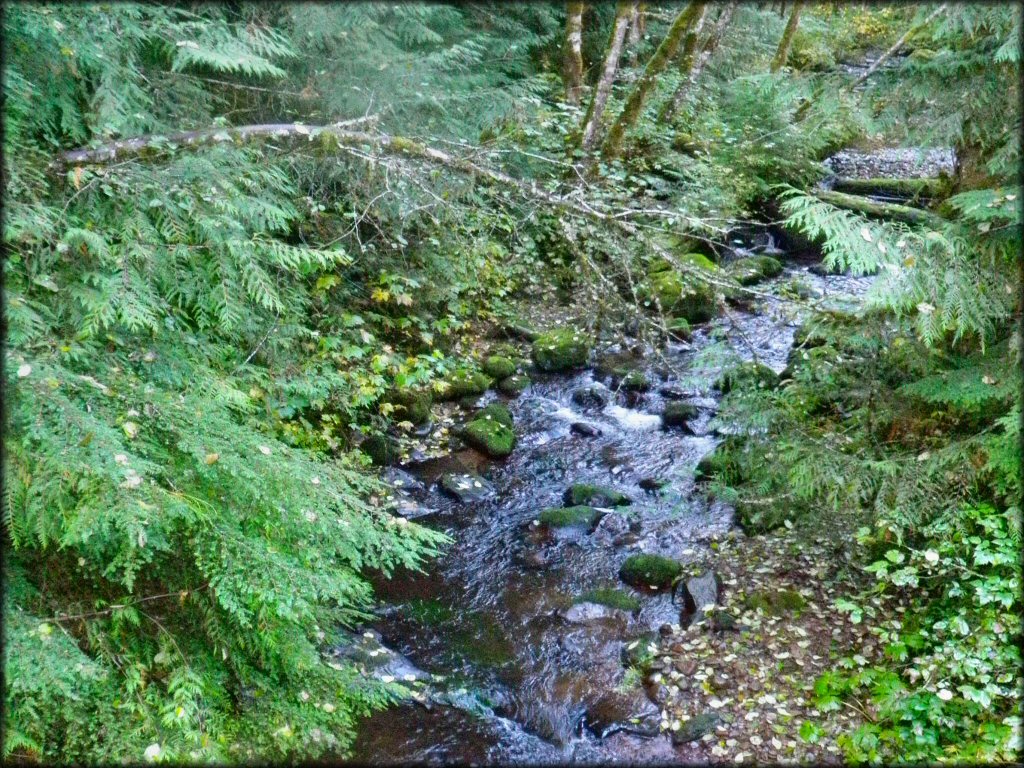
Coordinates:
876 210
906 188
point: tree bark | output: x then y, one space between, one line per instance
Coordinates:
637 22
896 46
707 51
692 51
782 53
591 123
655 66
572 52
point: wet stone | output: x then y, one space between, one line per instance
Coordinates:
699 593
653 484
583 429
585 613
465 487
402 480
696 727
592 396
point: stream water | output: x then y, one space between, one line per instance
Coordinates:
509 672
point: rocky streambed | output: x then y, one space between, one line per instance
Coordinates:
523 642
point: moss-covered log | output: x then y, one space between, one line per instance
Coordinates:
876 210
907 188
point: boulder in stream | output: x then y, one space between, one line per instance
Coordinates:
595 496
465 487
514 385
569 517
678 415
754 269
490 436
592 396
583 429
561 350
496 412
683 296
464 383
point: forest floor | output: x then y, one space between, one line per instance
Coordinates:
746 693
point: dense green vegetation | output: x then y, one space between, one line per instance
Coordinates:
201 337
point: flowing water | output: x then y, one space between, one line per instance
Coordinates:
517 677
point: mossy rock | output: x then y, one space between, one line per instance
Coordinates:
498 412
678 414
561 350
410 405
749 375
465 382
662 264
491 437
775 602
683 296
594 495
505 350
568 517
498 367
754 269
381 449
696 728
635 381
649 571
513 385
611 597
679 328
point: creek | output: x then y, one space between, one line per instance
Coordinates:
505 669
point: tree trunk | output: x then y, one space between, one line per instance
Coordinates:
692 50
572 52
636 32
787 38
706 52
657 64
591 123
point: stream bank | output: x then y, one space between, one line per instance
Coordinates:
529 640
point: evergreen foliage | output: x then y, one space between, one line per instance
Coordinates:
199 336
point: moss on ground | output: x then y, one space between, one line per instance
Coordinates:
649 571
